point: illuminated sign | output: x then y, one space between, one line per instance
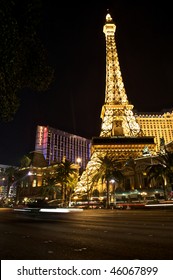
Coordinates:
40 136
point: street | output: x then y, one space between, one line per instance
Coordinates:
89 235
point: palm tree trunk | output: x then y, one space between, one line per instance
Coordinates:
107 195
63 194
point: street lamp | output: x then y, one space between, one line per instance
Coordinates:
79 160
112 194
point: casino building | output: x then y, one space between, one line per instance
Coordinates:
55 144
159 125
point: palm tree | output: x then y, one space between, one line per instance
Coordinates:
50 188
131 165
71 186
109 169
25 161
12 176
65 172
162 170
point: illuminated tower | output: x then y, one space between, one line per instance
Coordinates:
120 134
117 115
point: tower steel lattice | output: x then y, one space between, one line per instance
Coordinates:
117 115
118 120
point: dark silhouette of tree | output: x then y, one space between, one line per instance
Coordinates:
131 164
12 177
162 171
51 188
23 58
25 161
109 169
66 176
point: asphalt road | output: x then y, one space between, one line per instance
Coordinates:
89 235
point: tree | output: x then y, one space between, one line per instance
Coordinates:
162 170
25 161
12 176
14 179
71 186
131 164
66 172
50 188
23 58
109 169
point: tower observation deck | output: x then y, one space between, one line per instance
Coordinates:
120 135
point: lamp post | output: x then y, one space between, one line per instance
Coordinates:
79 160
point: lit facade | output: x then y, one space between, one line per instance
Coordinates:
55 144
159 125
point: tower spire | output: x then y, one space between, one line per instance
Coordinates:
115 91
117 115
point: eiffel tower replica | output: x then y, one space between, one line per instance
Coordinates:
121 135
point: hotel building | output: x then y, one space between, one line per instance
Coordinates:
159 125
55 144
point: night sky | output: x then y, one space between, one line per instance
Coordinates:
75 42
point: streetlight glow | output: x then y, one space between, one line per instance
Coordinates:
78 160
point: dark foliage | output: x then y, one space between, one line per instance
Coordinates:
23 58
